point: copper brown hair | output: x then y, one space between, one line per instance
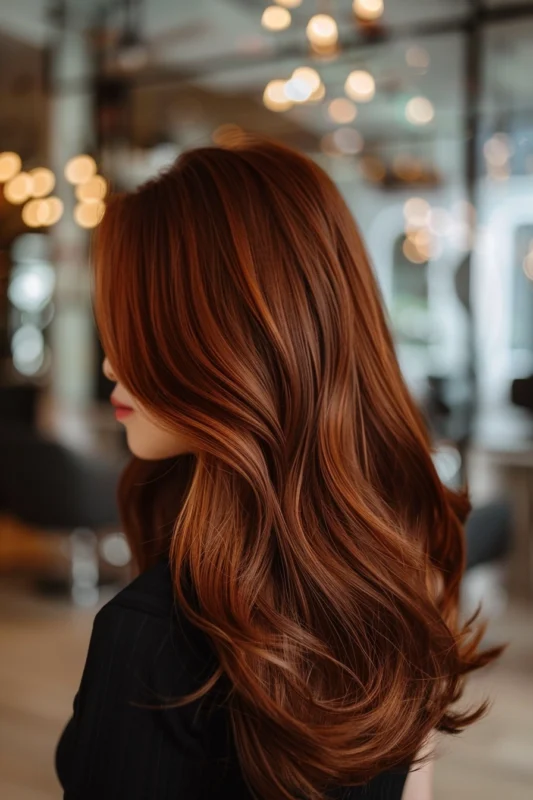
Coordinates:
236 302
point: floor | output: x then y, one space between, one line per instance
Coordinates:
43 643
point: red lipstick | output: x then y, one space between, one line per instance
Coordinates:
121 410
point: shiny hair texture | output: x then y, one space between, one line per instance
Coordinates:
236 302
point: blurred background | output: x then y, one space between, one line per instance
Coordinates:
422 112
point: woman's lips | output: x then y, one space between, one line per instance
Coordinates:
121 412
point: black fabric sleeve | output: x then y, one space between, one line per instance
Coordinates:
112 748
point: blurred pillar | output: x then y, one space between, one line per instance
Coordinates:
71 133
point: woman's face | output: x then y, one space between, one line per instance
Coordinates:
146 438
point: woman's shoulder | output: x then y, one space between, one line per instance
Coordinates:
151 592
145 615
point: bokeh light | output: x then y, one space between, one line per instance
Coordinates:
498 149
342 110
274 97
10 164
360 86
348 141
309 76
416 211
42 212
80 169
19 188
297 90
322 30
373 168
88 215
419 111
95 189
368 10
275 18
44 181
27 348
417 57
527 263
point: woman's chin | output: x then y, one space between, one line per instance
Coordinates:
150 448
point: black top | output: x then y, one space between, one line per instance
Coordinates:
143 650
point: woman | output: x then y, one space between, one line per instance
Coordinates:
294 626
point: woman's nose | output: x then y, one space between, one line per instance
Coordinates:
108 371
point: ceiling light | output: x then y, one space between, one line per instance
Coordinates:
275 18
289 3
132 52
360 85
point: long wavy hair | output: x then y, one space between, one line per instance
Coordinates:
236 302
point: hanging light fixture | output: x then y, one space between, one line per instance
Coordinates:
132 51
